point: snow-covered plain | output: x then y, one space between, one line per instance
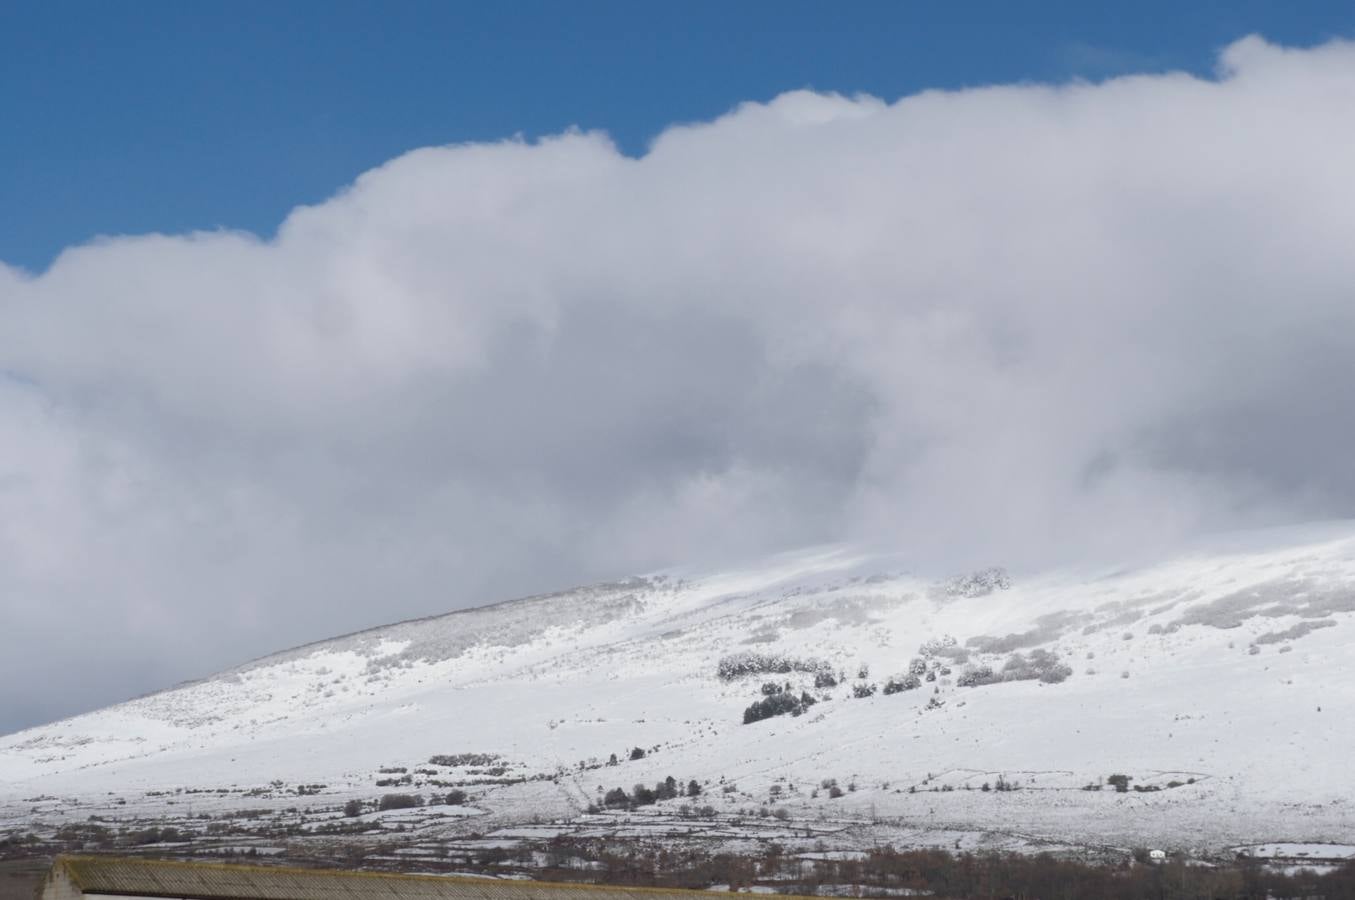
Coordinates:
1220 681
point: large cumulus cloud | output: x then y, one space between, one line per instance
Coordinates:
1020 324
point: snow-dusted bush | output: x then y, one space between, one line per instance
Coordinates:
909 682
978 584
935 646
1042 665
1056 675
973 676
945 647
861 691
1047 667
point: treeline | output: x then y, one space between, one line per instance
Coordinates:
387 802
462 759
886 872
1049 878
882 872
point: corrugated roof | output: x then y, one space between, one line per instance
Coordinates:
225 881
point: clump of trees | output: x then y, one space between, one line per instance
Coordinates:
739 665
1002 784
76 835
973 676
155 835
1039 665
463 759
777 700
354 808
1120 782
979 584
399 801
641 795
909 682
944 647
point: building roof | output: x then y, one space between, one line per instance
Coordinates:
226 881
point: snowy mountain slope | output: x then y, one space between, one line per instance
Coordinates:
1220 681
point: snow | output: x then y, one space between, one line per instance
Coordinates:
1219 680
1286 850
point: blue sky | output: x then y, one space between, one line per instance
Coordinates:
1019 327
168 116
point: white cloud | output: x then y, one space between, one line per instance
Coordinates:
1010 324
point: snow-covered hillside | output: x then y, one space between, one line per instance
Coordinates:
1221 682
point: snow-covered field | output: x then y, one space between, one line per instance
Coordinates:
1220 682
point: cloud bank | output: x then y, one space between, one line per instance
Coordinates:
1015 324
